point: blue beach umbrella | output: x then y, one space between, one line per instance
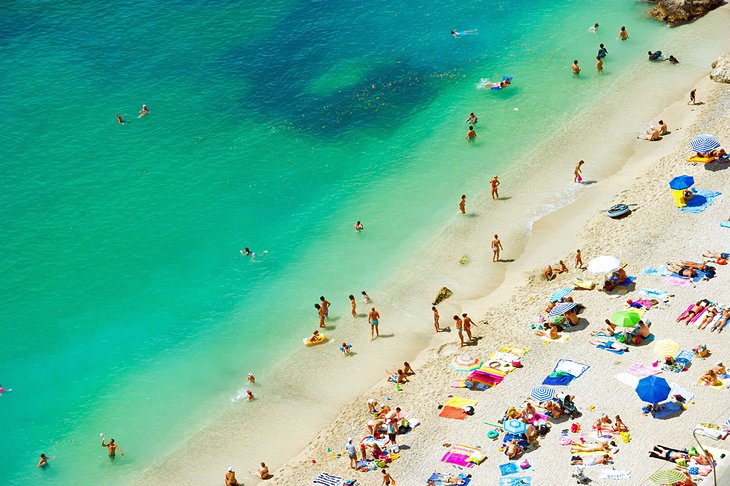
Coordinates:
514 426
561 309
542 393
704 143
560 294
653 389
682 182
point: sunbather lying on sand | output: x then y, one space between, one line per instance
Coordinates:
668 454
681 270
550 331
608 330
609 344
699 266
652 134
709 379
590 460
716 256
712 311
447 479
721 322
696 309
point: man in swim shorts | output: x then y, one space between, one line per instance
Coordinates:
575 67
459 324
111 447
374 320
471 135
622 34
495 185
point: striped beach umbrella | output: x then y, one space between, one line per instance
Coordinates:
625 318
666 476
704 143
465 362
604 264
666 347
561 294
514 426
542 393
561 309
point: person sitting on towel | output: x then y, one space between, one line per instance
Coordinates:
550 331
619 276
709 379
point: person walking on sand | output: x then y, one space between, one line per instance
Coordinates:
622 34
496 248
599 64
320 315
495 187
436 318
351 453
112 448
692 97
471 135
374 320
575 67
325 306
459 324
387 478
231 477
366 298
578 259
576 172
353 305
467 325
462 204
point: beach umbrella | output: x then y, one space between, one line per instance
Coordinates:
542 393
561 309
561 294
465 362
604 264
625 318
704 143
666 476
514 426
652 389
666 347
681 183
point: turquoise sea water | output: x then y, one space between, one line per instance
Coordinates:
127 306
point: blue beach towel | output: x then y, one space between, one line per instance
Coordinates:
558 379
628 281
700 201
655 271
439 478
509 468
512 481
725 224
606 347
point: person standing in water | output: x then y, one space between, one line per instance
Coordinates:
496 248
251 378
325 306
599 64
112 448
471 135
353 305
602 51
320 315
374 320
576 172
462 204
622 34
143 111
575 67
472 120
43 462
359 227
436 318
692 97
495 185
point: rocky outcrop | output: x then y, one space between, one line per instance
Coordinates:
721 69
443 294
678 12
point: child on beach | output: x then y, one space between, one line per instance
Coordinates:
599 64
366 298
575 68
578 259
407 369
436 318
353 305
320 314
622 34
576 172
345 348
251 378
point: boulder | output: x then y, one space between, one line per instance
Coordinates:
678 12
443 294
721 69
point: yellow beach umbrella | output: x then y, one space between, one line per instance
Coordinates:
666 347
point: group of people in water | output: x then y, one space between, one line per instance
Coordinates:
144 111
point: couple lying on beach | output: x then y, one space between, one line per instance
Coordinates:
684 458
689 269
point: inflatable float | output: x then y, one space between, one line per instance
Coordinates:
309 342
701 160
618 211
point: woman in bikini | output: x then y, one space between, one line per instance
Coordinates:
712 311
721 322
550 331
696 309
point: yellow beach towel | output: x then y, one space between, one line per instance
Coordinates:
458 402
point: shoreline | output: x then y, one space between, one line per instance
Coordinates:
477 298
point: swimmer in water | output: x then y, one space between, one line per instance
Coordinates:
602 51
594 28
458 34
119 119
462 204
44 461
471 135
622 34
251 378
673 59
472 120
247 252
359 227
575 67
143 111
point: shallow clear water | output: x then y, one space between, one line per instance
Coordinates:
127 307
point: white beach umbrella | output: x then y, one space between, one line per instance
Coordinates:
604 264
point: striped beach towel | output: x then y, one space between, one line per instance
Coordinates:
327 480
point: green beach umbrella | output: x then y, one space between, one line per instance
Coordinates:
666 476
625 318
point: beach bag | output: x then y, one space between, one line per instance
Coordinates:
637 340
394 448
543 429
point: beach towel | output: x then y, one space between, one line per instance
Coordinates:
515 481
653 293
327 480
558 379
457 459
628 379
488 378
725 224
438 479
628 281
701 200
678 281
655 271
641 370
675 389
514 350
669 410
573 367
689 308
560 339
615 474
453 413
606 346
509 468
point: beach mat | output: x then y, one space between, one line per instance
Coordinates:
438 479
641 370
700 201
573 367
327 480
556 379
628 379
615 474
453 413
515 481
459 402
678 281
607 347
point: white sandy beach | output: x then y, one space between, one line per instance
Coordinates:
506 297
